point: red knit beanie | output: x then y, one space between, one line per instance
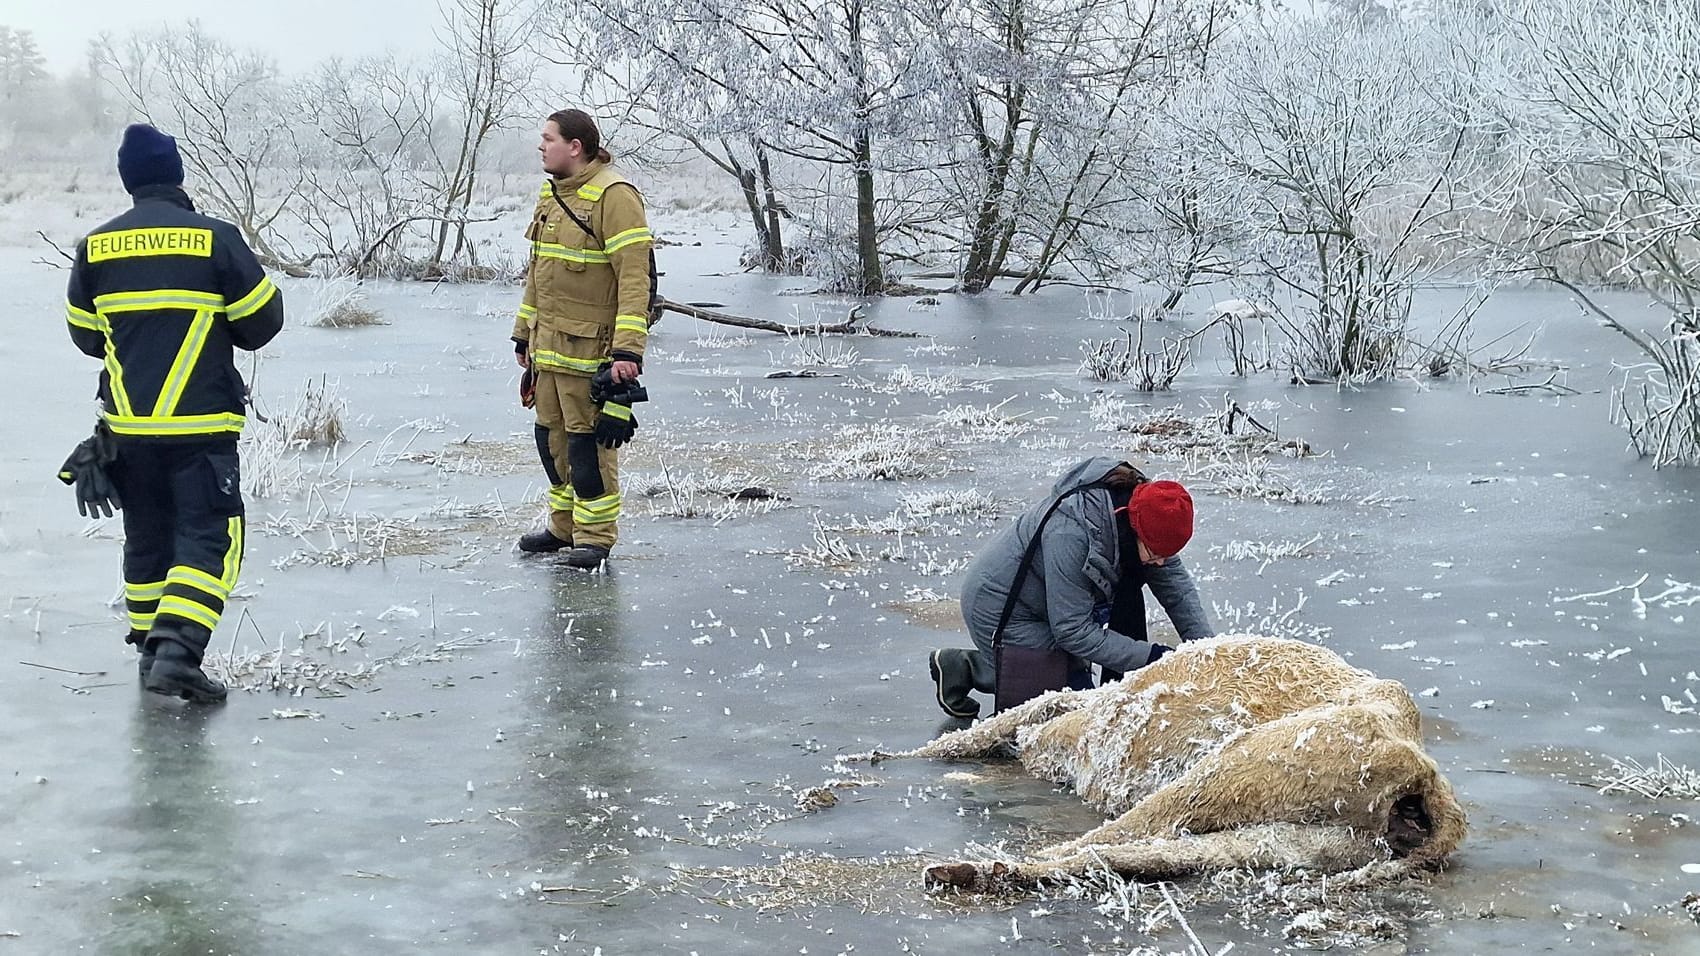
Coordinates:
1161 515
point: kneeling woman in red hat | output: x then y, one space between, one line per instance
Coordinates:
1062 589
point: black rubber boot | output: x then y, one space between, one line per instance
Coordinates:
953 675
589 557
145 660
542 542
176 672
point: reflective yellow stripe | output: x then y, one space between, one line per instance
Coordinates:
622 412
149 425
237 529
187 355
142 620
83 319
192 610
631 323
620 240
527 312
545 191
592 193
115 379
254 301
149 591
554 250
158 299
561 498
597 510
199 580
543 358
152 241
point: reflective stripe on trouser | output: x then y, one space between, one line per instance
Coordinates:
141 600
183 534
588 508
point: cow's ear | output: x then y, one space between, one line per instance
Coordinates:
999 869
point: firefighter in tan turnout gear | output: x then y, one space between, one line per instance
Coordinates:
162 295
580 334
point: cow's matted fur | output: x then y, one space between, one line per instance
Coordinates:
1237 751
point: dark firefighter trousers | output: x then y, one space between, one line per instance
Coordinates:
183 535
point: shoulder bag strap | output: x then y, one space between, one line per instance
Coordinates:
1027 559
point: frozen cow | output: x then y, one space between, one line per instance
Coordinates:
1234 751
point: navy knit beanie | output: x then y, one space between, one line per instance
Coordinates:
148 157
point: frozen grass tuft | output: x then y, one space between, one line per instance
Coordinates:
315 418
321 663
819 350
1664 779
826 550
965 503
879 452
339 303
718 496
345 540
903 380
982 425
349 315
1125 360
1268 621
1264 552
1169 431
711 337
1256 479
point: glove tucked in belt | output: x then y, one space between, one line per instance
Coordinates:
87 471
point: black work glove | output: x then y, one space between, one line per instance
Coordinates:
1157 652
602 383
615 424
86 471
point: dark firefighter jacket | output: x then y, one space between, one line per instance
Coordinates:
161 295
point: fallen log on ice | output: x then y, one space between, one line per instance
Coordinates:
852 324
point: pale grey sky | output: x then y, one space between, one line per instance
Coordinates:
298 33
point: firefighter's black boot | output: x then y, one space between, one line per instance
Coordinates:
176 670
542 542
144 661
953 675
588 557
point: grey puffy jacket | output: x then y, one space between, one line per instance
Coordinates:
1074 571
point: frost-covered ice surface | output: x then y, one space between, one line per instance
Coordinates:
454 748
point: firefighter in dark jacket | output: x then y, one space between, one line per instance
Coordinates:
161 295
1113 534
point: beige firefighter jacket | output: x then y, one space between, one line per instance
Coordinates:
586 296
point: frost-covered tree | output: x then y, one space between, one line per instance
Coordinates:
362 149
1600 147
490 74
23 79
228 109
1335 137
1030 109
822 82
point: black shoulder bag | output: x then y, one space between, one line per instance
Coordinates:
1023 673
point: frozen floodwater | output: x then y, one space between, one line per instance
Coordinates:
505 756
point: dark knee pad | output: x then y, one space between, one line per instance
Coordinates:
586 467
542 435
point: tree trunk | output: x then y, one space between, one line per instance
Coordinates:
775 239
752 200
870 278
